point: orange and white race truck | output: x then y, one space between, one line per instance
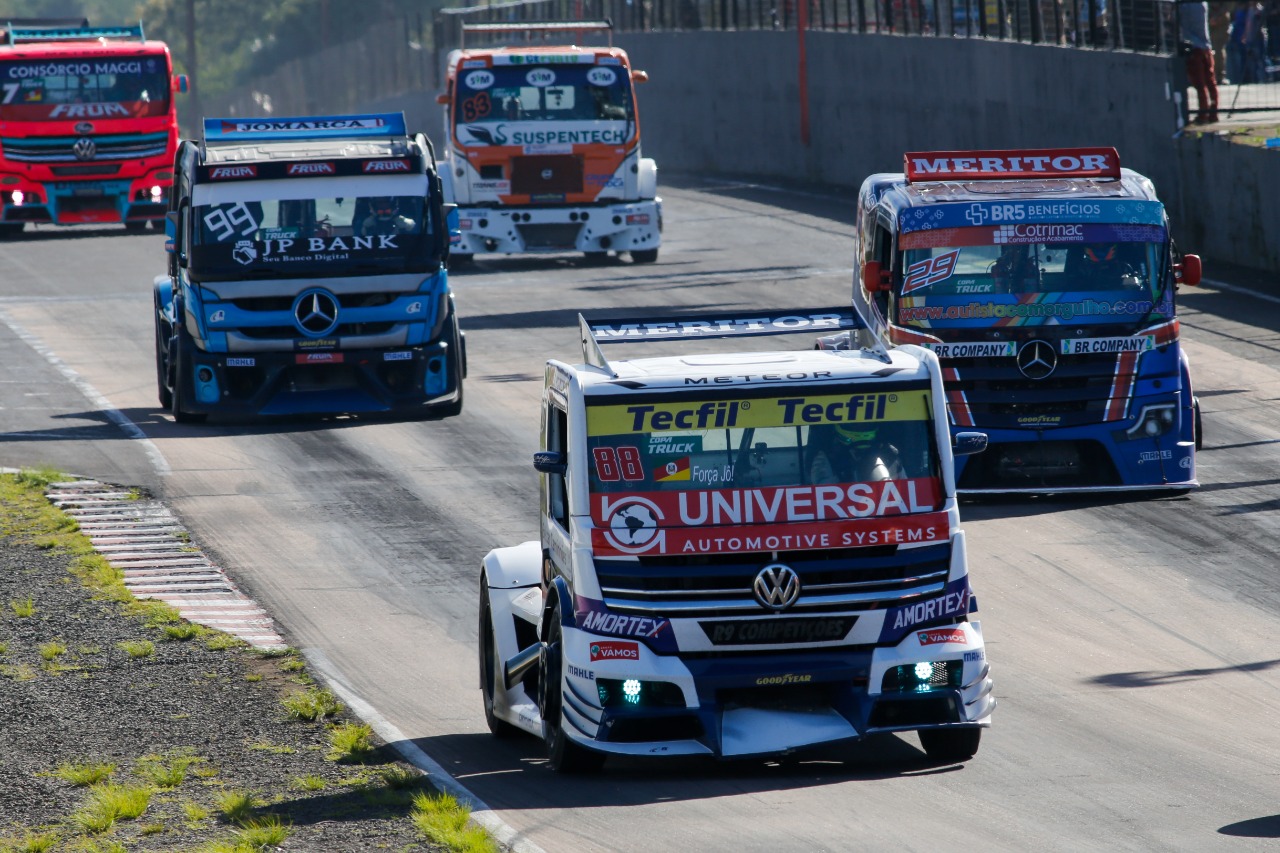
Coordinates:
543 148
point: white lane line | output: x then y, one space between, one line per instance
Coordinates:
91 394
1244 291
481 813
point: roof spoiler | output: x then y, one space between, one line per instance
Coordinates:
534 27
632 330
66 29
1020 164
377 125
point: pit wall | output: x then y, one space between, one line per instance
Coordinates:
728 103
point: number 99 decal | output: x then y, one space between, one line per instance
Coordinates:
228 220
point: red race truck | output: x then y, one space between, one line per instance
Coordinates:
88 125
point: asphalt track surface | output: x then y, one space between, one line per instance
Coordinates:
1135 643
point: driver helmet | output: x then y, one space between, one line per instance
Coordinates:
1101 254
856 436
384 207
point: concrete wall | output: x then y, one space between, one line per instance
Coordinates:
728 103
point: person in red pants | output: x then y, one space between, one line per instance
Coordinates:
1193 26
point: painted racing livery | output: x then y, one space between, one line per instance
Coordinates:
88 125
306 273
736 568
1045 282
543 149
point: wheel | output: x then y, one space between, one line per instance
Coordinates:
449 410
180 414
950 744
11 229
563 755
136 227
162 368
490 666
1199 430
644 256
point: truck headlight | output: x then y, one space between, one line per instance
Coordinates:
634 693
923 676
1153 421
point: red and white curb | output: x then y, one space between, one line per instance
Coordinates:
146 542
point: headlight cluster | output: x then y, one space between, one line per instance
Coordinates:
1154 421
923 676
634 693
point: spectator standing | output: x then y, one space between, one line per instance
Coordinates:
1235 43
1193 28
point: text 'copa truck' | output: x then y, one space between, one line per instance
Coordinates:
741 555
1045 281
306 273
88 124
543 150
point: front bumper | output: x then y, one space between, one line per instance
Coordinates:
761 705
323 382
635 226
82 202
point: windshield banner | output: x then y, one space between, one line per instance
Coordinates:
1002 235
849 515
728 414
1039 211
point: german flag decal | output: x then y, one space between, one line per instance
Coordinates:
676 469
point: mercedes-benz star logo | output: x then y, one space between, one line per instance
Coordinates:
316 313
776 587
85 148
1037 359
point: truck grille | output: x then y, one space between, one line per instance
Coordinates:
1078 391
553 173
61 149
551 235
830 581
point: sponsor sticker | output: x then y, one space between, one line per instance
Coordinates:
318 358
602 76
1094 346
501 187
673 471
540 77
975 656
755 632
478 79
397 356
941 635
975 349
296 169
789 678
372 167
223 173
242 362
614 650
579 672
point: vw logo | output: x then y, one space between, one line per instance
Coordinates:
84 127
85 148
776 587
1037 359
315 312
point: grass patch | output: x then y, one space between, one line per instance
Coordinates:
30 842
164 771
52 650
18 672
311 704
138 648
4 648
195 813
109 803
350 742
262 833
311 782
443 820
274 749
253 677
155 613
399 778
294 665
24 608
182 631
217 641
236 806
84 775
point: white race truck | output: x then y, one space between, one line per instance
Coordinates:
741 555
542 148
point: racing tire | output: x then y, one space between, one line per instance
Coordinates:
136 227
11 229
490 666
180 414
644 256
1199 430
950 745
563 755
162 372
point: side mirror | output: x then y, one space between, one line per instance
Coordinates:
969 443
553 462
182 84
875 278
640 76
442 98
1189 271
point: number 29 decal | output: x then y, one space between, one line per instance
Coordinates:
930 271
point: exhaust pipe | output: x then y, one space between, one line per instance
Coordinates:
516 668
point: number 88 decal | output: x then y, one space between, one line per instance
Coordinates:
618 463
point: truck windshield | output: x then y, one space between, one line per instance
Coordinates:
1112 281
548 93
84 87
792 465
310 236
